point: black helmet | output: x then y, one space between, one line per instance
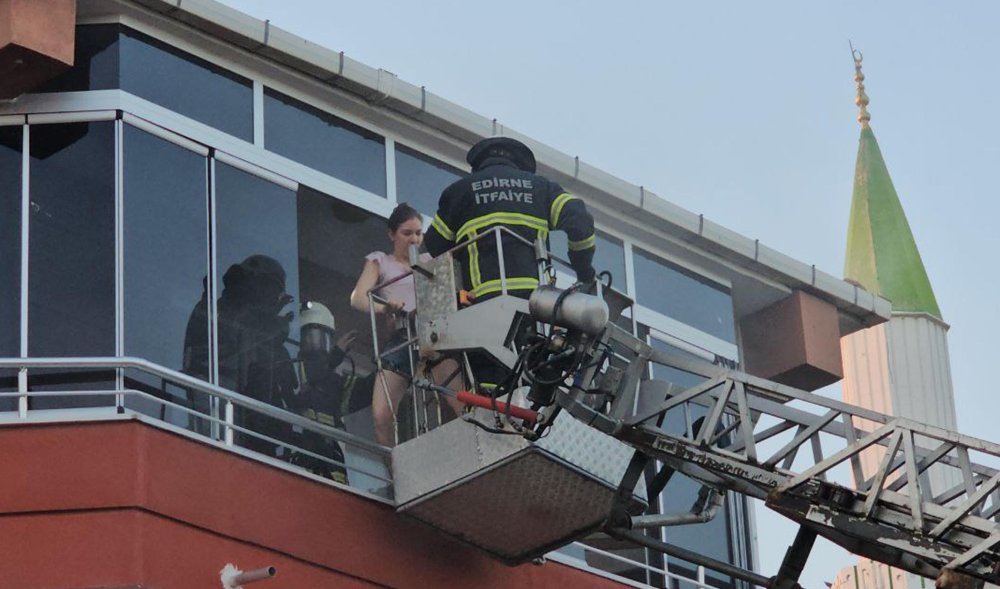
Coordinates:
502 147
259 278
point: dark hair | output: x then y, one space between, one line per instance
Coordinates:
401 214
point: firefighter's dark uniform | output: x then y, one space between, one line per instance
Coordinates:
504 190
324 396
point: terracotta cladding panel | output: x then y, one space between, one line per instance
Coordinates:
120 548
56 550
259 513
244 499
75 466
36 42
133 548
47 27
795 341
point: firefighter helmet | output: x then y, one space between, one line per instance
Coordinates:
502 147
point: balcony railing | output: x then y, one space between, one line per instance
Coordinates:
142 389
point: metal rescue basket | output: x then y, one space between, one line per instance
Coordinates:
514 498
511 495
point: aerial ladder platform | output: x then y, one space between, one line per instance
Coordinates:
558 452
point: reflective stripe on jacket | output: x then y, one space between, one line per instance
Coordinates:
529 205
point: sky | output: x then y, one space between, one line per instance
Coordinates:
743 112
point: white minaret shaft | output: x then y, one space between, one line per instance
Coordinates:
901 367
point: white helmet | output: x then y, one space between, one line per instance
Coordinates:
314 313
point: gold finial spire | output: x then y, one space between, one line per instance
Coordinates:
862 99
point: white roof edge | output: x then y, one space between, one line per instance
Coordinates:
385 88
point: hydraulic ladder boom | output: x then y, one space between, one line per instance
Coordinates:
783 445
799 452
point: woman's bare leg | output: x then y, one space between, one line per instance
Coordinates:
386 395
448 370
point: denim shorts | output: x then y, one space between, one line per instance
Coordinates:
398 361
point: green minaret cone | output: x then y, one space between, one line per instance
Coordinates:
881 253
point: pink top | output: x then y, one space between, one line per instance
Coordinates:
388 268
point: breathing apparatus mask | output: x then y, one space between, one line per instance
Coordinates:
317 349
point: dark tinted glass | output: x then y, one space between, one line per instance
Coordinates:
111 56
622 550
420 179
10 241
72 238
8 384
324 142
609 255
186 84
334 238
683 295
10 257
95 65
166 262
258 278
711 538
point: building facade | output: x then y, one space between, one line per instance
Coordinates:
195 177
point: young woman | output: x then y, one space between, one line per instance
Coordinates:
405 229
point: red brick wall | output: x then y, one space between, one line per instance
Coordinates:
122 503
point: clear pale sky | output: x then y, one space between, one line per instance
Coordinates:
742 111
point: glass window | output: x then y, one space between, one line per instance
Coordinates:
257 281
186 84
72 244
622 558
609 255
10 241
683 295
112 56
324 142
711 538
8 384
166 265
334 238
420 179
95 65
625 558
10 257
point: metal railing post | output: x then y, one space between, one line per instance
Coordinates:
22 388
230 421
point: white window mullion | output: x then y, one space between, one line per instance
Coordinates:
212 307
258 114
629 270
22 374
119 258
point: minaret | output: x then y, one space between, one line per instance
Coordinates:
900 367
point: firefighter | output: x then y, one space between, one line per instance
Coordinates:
324 394
503 190
253 360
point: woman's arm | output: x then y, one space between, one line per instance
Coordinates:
368 279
